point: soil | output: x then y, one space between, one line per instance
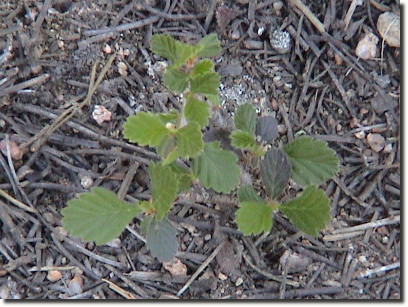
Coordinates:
47 53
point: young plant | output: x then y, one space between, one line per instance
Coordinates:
101 216
307 161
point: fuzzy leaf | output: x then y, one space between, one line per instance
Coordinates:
165 46
175 80
197 111
210 46
166 146
164 187
184 177
145 129
267 128
310 212
312 160
202 67
242 139
98 215
247 193
275 172
207 83
215 99
185 52
253 217
216 168
161 239
245 118
170 117
189 142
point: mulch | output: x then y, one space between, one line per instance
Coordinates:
49 53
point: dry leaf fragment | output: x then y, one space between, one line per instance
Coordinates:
388 24
15 152
76 284
100 114
367 47
176 267
376 141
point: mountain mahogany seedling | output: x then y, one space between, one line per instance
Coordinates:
177 136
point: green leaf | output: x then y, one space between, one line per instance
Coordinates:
253 217
166 146
170 117
310 212
145 129
207 83
161 239
202 67
175 80
210 46
184 177
197 111
165 46
312 160
98 215
145 224
185 52
164 187
245 118
189 142
215 99
216 168
267 128
243 139
247 193
275 171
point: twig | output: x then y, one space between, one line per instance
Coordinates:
32 82
124 27
385 268
308 13
269 275
383 222
342 236
16 202
201 268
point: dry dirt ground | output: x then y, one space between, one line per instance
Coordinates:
320 88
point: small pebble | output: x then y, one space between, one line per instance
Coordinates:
107 49
222 276
122 69
100 114
239 281
54 275
207 237
388 24
280 41
376 141
367 47
86 181
360 135
15 152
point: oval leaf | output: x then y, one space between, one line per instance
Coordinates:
245 118
310 212
216 168
247 193
210 46
175 80
267 128
312 160
254 217
161 239
164 45
275 172
197 111
145 129
98 216
243 140
207 83
164 187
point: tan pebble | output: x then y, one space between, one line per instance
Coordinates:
338 59
107 49
122 69
222 276
15 152
388 24
387 148
60 44
354 122
375 141
360 135
239 281
100 114
367 47
54 275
